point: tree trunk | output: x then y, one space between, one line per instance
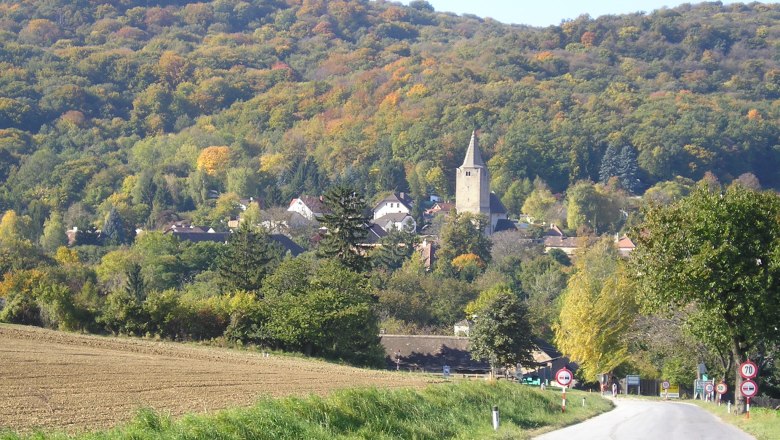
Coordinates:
739 399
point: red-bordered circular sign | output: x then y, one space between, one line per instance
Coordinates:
722 388
748 369
665 385
564 377
709 388
749 388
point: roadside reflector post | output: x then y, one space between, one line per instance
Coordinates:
495 418
583 401
728 406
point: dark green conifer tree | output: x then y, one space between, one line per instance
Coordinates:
347 228
627 169
396 247
609 164
246 259
114 229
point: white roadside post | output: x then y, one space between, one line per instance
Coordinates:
495 418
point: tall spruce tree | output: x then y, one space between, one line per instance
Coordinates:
347 228
114 229
609 164
135 285
627 169
246 259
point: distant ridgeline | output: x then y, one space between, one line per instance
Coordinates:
156 108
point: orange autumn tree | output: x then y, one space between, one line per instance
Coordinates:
214 160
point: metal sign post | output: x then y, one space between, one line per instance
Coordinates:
749 389
563 400
564 378
748 370
709 388
721 389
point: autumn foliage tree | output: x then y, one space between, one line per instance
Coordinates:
214 160
598 309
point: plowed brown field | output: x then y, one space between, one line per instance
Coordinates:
74 382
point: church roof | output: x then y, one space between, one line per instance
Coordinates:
504 225
496 207
473 156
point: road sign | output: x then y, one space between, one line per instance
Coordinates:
748 369
563 377
632 380
673 392
709 387
722 388
665 385
749 388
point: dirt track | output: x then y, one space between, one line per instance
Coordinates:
75 382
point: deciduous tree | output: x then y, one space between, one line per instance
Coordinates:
598 309
721 252
501 333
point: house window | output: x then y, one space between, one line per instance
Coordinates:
468 173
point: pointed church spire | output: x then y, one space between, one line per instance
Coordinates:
473 156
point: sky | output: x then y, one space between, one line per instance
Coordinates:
549 12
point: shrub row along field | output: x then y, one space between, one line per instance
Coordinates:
456 410
63 381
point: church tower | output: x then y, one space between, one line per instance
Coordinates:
472 182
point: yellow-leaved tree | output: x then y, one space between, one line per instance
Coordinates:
214 160
598 309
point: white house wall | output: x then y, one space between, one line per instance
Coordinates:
390 208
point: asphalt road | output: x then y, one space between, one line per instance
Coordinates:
643 419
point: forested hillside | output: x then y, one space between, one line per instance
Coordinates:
115 104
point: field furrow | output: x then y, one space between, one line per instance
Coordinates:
74 382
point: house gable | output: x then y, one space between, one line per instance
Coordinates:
393 204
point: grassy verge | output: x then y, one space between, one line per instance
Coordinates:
764 423
459 410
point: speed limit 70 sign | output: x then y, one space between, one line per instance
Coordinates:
748 370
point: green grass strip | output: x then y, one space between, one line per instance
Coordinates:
460 410
764 423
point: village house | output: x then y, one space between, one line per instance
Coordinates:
309 207
394 212
439 207
393 204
